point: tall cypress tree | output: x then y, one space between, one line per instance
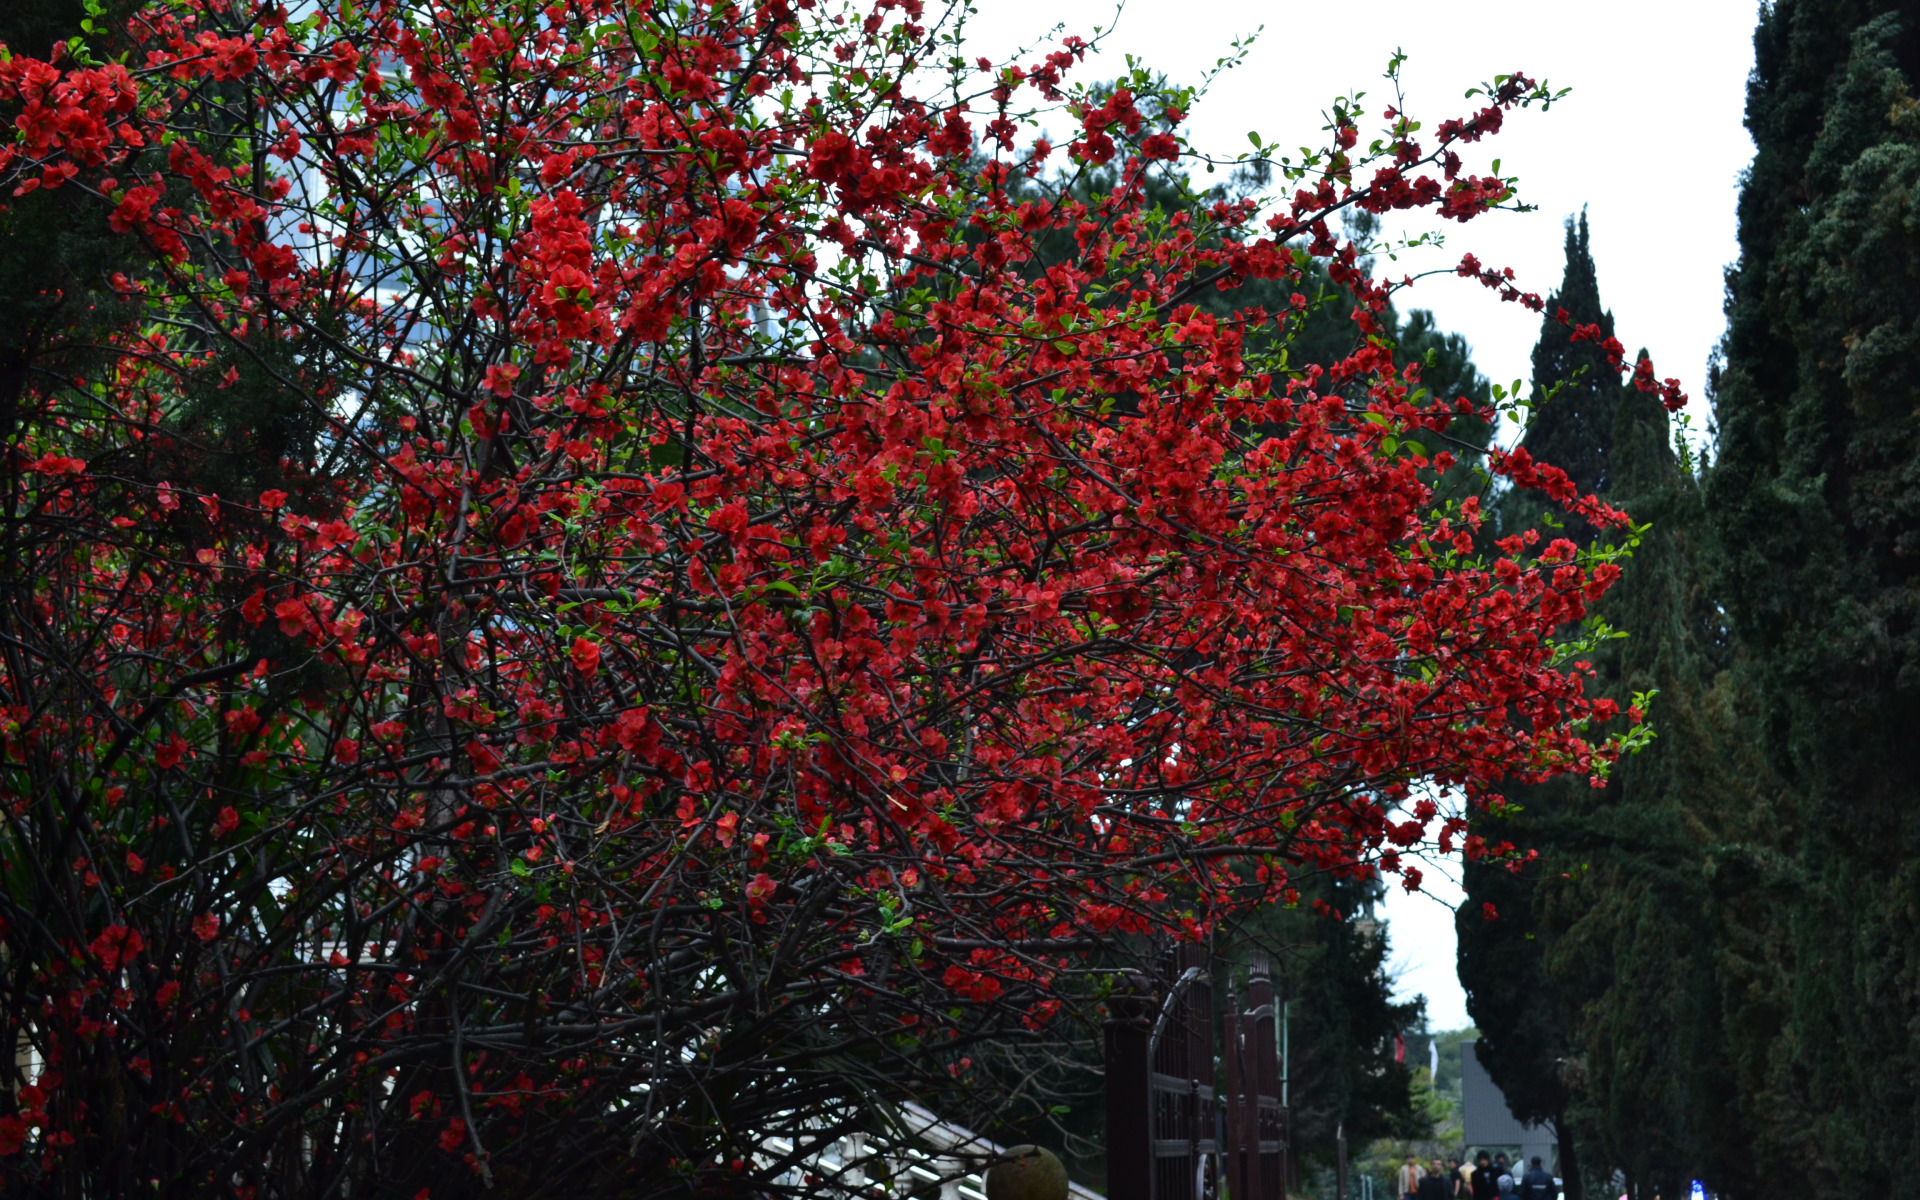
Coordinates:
1528 1029
1630 936
1724 944
1575 393
1816 507
1589 988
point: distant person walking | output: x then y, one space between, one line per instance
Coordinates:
1457 1177
1409 1179
1505 1183
1434 1184
1537 1184
1482 1181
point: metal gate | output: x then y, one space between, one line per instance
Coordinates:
1185 1151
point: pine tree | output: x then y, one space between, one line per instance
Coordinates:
1627 926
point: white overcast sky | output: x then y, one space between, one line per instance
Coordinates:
1649 142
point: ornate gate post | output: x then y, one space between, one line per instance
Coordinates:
1256 1134
1129 1033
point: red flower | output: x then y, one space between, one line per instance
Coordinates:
977 987
57 464
499 379
168 753
232 57
117 945
585 656
760 890
134 209
832 157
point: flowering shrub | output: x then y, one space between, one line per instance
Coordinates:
608 606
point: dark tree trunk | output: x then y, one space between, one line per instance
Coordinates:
1570 1187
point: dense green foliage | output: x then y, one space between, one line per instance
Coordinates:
1711 970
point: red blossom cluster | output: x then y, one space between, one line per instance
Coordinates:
760 590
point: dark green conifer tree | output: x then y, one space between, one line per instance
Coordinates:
1815 503
1594 998
1335 971
1620 905
1527 1026
1575 393
1725 942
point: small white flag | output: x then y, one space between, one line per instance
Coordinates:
1433 1059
